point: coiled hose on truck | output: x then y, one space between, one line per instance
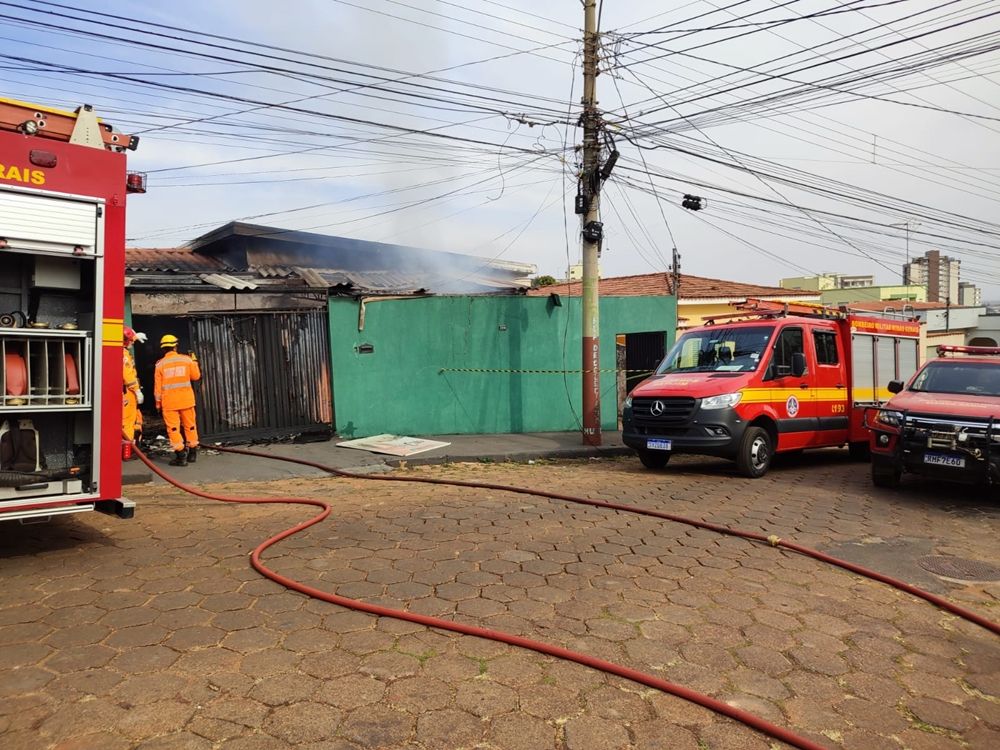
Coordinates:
720 707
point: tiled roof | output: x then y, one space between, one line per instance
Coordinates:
692 287
172 259
698 287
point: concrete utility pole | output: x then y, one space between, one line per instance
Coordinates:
592 234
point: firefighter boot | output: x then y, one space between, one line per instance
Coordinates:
192 455
179 459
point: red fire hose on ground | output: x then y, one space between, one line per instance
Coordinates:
755 722
774 541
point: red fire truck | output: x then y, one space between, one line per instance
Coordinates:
768 378
63 184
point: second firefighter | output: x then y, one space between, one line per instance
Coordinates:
175 398
131 394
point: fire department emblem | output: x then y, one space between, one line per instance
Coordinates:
792 406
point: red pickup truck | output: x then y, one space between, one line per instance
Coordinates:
944 423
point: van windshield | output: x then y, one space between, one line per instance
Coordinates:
731 349
954 376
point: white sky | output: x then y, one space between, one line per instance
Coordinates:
476 200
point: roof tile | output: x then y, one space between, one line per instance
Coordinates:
691 287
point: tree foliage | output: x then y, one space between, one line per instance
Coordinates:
542 281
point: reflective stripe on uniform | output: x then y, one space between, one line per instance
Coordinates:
171 386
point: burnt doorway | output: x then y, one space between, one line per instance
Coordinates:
264 374
643 354
637 356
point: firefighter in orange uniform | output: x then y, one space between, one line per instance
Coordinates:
131 391
175 398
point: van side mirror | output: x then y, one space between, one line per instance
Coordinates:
895 386
798 364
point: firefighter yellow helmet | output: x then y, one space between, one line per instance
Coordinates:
169 341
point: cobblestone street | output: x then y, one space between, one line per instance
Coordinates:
157 634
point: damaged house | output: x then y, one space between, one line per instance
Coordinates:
306 333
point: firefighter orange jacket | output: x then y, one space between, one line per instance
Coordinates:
174 374
129 375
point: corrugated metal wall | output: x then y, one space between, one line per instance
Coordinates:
263 374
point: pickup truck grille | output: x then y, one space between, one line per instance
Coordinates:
935 432
662 412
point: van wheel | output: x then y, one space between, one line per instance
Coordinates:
654 459
885 475
859 451
753 457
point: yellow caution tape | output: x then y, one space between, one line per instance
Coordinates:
538 372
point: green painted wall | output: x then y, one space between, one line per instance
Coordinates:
410 383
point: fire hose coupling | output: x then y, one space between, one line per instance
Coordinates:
774 540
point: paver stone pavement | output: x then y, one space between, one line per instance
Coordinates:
155 633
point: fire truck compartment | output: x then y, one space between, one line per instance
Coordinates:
47 444
50 300
879 359
48 224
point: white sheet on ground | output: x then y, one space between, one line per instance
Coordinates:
394 445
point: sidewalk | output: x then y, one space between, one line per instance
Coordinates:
224 467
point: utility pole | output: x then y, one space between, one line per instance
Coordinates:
592 234
675 274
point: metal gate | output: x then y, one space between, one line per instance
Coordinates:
264 374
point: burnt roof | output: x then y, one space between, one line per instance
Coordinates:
183 268
171 260
294 259
256 244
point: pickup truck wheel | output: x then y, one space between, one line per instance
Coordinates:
654 459
753 457
885 475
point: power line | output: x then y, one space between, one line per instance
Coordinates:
327 63
786 56
768 185
452 31
799 88
761 25
431 132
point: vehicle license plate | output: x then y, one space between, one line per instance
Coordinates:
658 445
944 459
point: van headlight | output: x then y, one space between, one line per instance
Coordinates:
628 401
889 417
725 401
